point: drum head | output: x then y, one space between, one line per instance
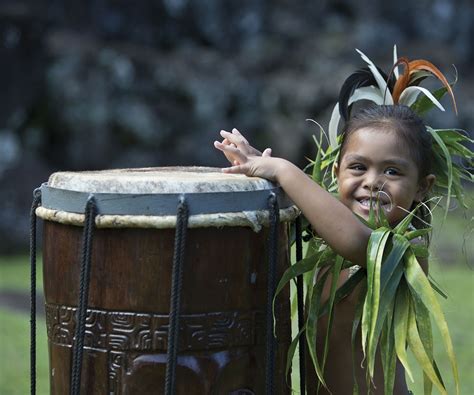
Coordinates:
158 180
155 192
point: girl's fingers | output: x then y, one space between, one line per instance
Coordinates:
239 169
229 147
232 150
237 133
227 142
236 139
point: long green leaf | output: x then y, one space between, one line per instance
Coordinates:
295 270
291 273
420 250
403 225
375 248
326 257
311 324
423 323
291 353
401 326
417 281
417 233
435 286
316 175
335 277
393 260
390 275
423 104
449 163
386 300
345 290
419 352
389 357
355 326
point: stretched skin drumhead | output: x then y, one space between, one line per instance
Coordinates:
157 180
148 197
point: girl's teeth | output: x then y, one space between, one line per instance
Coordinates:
366 202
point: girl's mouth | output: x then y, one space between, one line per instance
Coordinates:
366 203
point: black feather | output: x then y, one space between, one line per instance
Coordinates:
360 78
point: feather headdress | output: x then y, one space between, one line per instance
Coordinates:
372 84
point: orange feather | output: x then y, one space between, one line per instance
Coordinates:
403 79
421 64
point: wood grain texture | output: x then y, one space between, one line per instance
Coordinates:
221 346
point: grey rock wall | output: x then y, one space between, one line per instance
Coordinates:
95 84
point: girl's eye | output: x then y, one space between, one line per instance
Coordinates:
392 172
357 167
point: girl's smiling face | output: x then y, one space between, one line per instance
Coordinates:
377 166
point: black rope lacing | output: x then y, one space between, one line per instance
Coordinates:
78 348
300 296
175 298
272 264
34 206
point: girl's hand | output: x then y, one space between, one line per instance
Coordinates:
237 140
245 158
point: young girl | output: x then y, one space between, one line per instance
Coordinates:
384 161
386 164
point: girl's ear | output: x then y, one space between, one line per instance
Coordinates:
424 186
336 169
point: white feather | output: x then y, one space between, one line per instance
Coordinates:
409 95
333 125
367 93
395 58
378 77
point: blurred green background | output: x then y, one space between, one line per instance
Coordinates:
451 266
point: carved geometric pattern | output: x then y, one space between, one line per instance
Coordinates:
122 331
116 362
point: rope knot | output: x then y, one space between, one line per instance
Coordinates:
37 193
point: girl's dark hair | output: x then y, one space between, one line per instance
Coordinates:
412 132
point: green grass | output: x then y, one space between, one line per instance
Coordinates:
15 333
15 273
451 265
15 346
458 283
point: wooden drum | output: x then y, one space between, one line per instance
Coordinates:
221 346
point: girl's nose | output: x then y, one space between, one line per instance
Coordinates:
373 181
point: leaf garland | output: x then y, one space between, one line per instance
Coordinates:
395 309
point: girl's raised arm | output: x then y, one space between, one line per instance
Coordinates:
333 221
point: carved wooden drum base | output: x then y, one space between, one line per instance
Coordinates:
122 351
221 337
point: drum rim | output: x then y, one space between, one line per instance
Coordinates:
163 204
253 219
